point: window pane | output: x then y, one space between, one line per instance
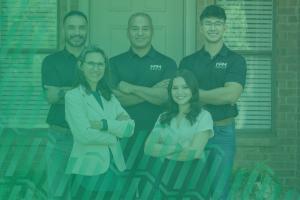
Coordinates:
255 102
26 23
249 24
20 92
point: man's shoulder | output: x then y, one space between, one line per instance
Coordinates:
120 56
234 55
53 56
162 56
190 57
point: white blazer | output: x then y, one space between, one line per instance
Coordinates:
90 154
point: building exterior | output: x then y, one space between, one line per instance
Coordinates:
266 33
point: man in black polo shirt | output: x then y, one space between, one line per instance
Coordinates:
57 76
221 76
140 75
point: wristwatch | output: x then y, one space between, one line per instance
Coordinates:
61 94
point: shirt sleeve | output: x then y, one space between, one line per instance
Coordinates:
80 125
237 71
50 75
124 128
114 73
170 70
157 129
205 123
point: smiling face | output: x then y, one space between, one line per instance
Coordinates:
140 32
92 75
213 33
75 31
181 93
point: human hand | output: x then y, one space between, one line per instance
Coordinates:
51 95
186 144
162 84
125 87
122 117
96 124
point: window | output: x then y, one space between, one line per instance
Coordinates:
28 34
249 33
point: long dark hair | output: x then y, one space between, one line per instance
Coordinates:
171 107
104 85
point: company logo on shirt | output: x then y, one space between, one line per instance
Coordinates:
221 65
155 67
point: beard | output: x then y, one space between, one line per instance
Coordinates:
76 44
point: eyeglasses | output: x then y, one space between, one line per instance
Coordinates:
209 24
91 65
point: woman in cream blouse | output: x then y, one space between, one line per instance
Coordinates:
180 135
97 121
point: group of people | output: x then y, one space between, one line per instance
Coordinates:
118 128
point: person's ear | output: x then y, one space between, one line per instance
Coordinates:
79 65
63 31
225 28
127 33
152 32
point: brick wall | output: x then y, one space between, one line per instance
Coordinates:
286 87
280 147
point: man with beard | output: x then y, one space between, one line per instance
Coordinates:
141 76
57 76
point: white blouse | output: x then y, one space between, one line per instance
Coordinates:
171 135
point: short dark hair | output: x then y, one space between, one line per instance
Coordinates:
105 84
140 14
73 13
213 11
172 108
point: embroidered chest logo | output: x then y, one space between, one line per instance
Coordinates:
155 67
221 65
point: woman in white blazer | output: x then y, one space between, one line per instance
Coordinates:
180 135
97 122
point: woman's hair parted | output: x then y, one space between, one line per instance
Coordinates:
104 85
171 108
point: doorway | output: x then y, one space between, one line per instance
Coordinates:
108 22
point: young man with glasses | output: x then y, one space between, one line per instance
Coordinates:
221 75
141 76
57 77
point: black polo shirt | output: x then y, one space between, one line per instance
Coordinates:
143 71
58 70
212 73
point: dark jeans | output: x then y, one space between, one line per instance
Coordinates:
59 147
220 160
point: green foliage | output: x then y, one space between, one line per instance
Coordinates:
261 175
26 184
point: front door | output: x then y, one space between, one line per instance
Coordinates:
109 19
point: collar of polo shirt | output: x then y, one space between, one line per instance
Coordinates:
222 52
151 53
